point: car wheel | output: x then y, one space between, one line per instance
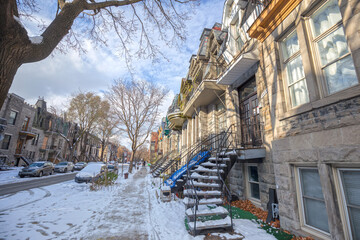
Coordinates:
40 174
21 176
65 170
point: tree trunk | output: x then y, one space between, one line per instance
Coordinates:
131 160
102 151
16 47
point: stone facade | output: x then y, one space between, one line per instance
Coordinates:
300 107
20 117
321 135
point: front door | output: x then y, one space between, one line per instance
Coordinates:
249 114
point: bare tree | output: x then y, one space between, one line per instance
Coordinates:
132 21
136 104
85 110
105 126
143 153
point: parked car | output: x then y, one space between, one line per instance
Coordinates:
80 165
112 168
37 169
90 173
64 167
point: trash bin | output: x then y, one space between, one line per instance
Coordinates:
126 175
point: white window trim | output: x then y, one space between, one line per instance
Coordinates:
315 55
248 190
307 228
283 63
344 213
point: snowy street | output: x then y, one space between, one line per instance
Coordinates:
127 210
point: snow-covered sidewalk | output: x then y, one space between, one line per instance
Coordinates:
127 210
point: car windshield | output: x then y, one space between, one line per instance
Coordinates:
62 163
111 167
36 165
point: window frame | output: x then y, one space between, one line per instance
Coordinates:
284 71
2 142
342 202
315 54
257 201
16 117
304 226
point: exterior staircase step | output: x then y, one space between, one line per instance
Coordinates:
204 210
190 192
211 224
198 176
206 201
202 184
213 159
210 164
208 170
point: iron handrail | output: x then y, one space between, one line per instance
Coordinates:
221 139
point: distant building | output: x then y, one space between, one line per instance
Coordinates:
154 138
20 139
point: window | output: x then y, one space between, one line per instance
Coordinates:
6 142
25 124
296 83
253 179
312 199
12 117
221 116
35 140
350 186
329 39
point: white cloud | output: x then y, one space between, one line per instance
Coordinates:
56 77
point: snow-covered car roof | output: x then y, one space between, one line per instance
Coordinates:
92 169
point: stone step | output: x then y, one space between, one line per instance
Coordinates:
211 224
189 202
191 192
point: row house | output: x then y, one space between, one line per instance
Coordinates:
54 128
154 139
19 138
32 133
284 74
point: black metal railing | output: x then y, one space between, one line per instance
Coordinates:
219 143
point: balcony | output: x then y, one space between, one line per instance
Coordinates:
203 95
174 114
176 120
239 66
27 135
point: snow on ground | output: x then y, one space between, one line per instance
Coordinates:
128 210
11 176
167 220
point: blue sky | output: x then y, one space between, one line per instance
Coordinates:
60 75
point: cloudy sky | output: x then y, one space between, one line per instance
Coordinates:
60 75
